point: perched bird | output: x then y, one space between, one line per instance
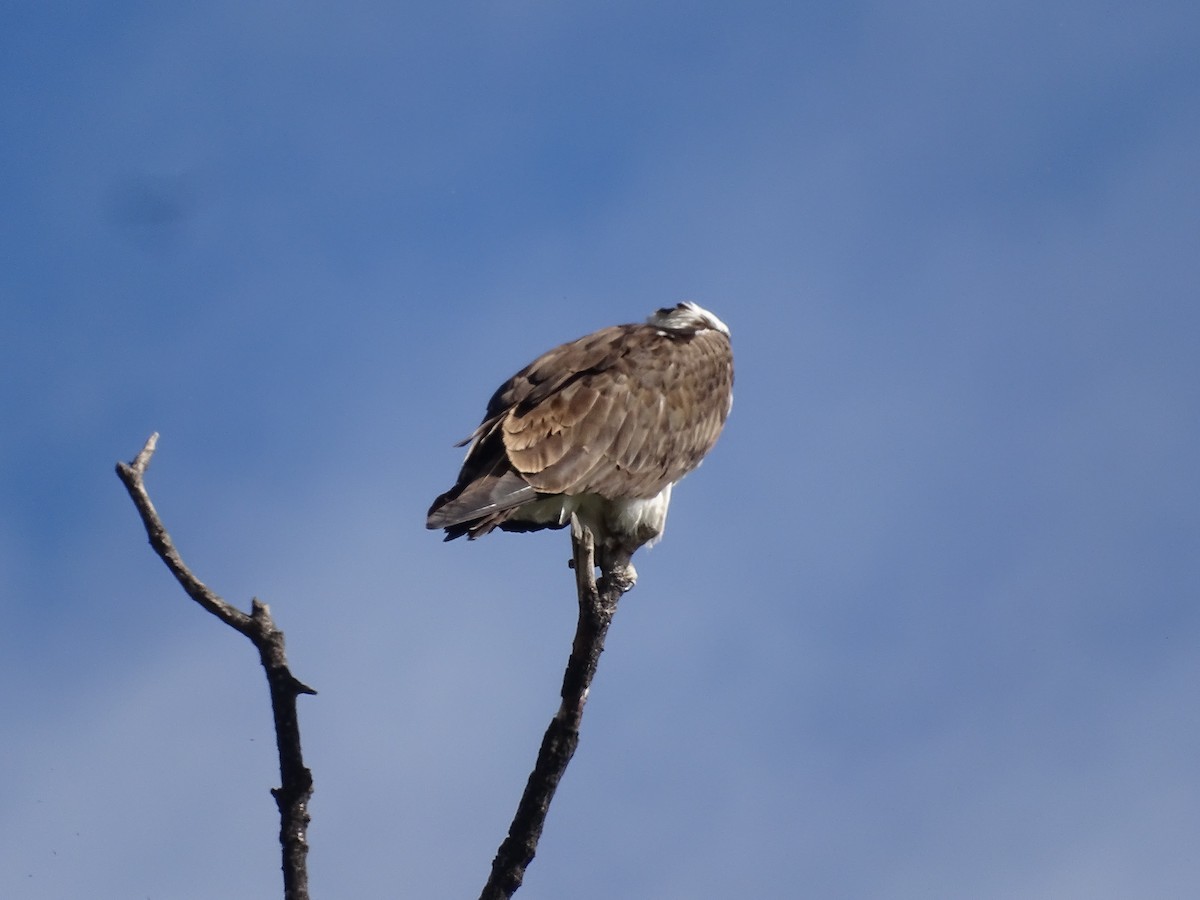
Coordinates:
599 429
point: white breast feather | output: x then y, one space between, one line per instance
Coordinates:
627 516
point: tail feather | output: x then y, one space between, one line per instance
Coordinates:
482 497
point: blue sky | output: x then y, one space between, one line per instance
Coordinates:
923 625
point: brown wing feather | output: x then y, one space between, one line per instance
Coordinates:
643 416
556 453
555 369
537 437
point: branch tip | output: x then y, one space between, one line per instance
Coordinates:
142 460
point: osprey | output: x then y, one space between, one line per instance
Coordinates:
600 429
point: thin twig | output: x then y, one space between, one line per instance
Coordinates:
296 785
597 605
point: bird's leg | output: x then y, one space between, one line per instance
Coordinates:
612 556
616 567
623 577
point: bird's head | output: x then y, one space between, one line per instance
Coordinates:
686 317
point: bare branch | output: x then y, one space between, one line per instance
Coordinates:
132 474
296 785
597 606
